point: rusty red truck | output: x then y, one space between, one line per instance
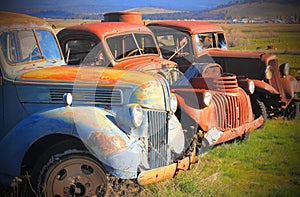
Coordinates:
277 92
211 103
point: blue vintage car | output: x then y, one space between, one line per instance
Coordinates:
66 129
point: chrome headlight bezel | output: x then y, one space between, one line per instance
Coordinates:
130 117
173 103
284 69
268 72
68 99
207 98
251 87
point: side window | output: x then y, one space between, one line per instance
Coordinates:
78 50
9 47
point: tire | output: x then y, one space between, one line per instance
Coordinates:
72 172
292 111
259 109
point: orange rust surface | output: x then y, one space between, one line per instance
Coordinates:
166 172
239 131
8 19
107 143
190 26
86 74
156 175
133 17
104 29
227 53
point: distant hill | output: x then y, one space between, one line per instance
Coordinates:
152 10
264 9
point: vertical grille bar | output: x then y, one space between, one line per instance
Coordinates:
157 132
231 110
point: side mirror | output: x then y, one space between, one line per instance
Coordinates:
284 69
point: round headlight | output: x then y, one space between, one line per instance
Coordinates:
136 114
268 72
286 69
173 103
68 98
251 87
207 98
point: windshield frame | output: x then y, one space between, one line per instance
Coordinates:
135 43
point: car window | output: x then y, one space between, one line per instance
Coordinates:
77 49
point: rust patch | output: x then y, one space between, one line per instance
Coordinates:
106 143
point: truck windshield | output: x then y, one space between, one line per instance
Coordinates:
132 44
28 46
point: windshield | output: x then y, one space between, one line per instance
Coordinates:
132 44
27 46
210 40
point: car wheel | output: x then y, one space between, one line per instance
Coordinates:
75 174
292 111
259 109
72 172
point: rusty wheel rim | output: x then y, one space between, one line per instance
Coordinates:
76 177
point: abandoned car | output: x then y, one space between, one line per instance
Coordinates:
277 93
68 129
218 111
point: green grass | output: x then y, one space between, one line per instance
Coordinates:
267 164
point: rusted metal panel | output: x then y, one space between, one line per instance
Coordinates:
192 27
133 17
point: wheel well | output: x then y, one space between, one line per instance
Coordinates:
43 144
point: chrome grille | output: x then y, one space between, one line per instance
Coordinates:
158 139
231 111
99 96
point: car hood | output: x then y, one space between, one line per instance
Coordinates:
154 64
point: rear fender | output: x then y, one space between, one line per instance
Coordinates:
83 122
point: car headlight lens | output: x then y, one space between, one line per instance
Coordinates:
268 72
207 98
251 87
173 103
284 69
136 114
130 117
68 98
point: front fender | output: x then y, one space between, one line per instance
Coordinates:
83 122
263 87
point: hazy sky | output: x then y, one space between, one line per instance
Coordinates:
14 5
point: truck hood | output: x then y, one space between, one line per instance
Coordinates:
152 63
49 84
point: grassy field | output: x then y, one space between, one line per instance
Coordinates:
267 164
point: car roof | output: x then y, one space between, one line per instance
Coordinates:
103 29
193 27
10 20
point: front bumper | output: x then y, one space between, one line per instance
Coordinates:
167 172
239 131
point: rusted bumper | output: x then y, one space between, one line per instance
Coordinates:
239 131
166 172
